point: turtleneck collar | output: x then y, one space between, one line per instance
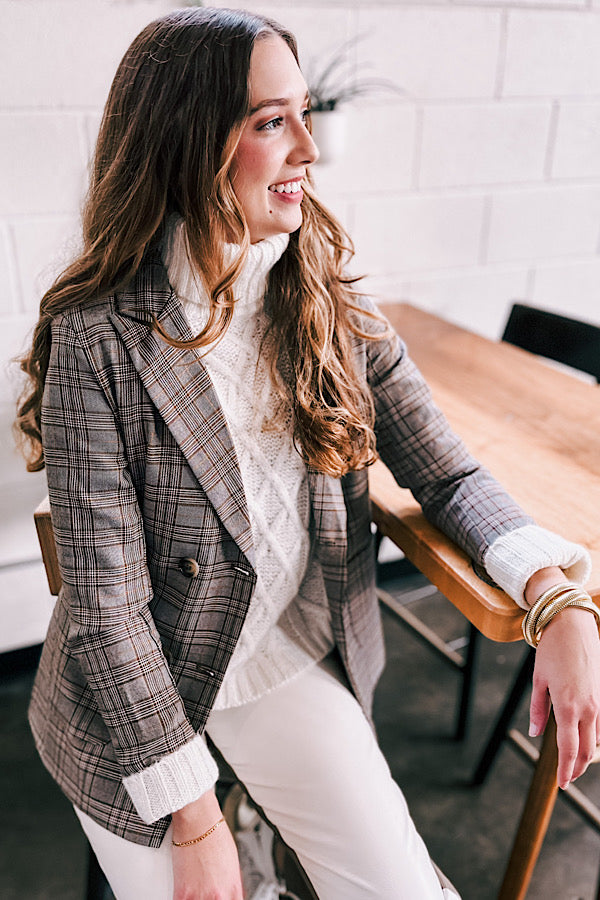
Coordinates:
250 285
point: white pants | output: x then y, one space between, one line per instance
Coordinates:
308 756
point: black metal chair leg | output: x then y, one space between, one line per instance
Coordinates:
504 719
97 885
466 693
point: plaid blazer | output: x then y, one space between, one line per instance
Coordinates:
155 544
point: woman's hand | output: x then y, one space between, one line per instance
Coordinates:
567 676
210 869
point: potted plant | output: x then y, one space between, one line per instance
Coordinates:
331 87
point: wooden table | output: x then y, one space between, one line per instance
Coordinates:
538 430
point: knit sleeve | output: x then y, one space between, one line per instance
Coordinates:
174 781
513 558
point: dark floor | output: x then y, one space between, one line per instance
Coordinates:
468 831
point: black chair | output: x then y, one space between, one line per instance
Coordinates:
564 340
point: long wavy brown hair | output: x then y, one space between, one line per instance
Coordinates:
168 136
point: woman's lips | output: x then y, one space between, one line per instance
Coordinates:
288 191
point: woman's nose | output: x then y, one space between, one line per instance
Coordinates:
305 151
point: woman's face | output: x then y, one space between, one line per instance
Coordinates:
275 147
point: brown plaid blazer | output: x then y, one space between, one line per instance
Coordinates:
155 545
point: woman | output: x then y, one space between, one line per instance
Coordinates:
208 390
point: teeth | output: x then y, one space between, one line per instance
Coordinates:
288 187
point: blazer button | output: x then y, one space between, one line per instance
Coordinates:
189 566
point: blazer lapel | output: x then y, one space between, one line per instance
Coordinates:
180 387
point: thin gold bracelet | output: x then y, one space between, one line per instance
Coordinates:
198 839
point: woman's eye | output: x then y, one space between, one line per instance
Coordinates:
305 115
272 124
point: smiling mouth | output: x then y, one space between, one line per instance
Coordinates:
286 187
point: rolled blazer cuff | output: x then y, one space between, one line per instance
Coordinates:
173 781
513 558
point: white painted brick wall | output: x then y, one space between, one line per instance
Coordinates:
480 184
7 274
318 29
577 148
58 59
63 53
42 169
545 223
432 51
417 232
569 288
500 97
487 143
479 299
552 54
44 247
380 150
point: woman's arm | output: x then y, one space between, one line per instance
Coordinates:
463 500
417 444
209 868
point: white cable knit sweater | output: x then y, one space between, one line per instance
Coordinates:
288 626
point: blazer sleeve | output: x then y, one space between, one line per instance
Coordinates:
107 590
455 491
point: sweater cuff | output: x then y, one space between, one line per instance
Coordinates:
513 558
174 781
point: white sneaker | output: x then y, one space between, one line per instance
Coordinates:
254 840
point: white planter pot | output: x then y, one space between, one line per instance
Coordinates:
329 129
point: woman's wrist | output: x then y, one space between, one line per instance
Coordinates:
551 596
541 581
196 817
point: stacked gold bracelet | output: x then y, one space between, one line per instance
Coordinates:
550 603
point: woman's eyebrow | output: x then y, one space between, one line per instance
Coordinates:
274 101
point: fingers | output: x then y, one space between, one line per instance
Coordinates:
567 671
587 749
577 735
567 739
576 739
539 708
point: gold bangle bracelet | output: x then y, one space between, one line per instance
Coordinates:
555 606
197 840
581 601
557 589
552 610
532 615
542 615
